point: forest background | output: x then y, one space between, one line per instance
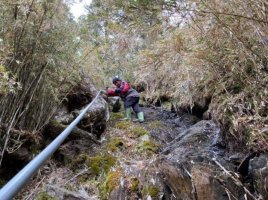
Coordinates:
207 55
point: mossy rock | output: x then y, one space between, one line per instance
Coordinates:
116 116
123 125
139 131
81 159
44 196
147 146
111 182
114 144
151 190
101 163
134 184
84 178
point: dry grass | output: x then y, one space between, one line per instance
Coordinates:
221 55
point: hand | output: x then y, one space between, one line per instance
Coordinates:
117 91
103 92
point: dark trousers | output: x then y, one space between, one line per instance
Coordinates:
133 102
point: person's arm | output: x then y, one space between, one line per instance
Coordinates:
111 92
123 89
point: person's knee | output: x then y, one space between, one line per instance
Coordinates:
137 108
126 105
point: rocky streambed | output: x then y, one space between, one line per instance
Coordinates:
170 156
167 157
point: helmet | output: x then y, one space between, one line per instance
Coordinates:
116 78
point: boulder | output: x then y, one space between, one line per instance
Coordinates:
94 121
81 94
195 169
88 130
259 168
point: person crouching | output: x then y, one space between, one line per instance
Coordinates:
129 96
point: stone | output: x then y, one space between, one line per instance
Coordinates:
259 167
236 158
63 194
94 121
81 94
189 168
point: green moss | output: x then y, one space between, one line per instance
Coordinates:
84 178
134 186
101 163
151 190
55 123
111 182
123 125
139 131
81 159
116 116
114 144
236 88
2 69
44 196
147 146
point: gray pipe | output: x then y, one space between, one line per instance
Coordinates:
18 181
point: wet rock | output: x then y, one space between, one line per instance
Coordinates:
167 115
54 128
259 167
190 170
185 120
95 119
210 184
177 180
243 167
236 158
63 116
219 141
68 151
163 137
173 127
82 94
63 194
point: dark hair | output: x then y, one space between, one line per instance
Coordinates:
116 78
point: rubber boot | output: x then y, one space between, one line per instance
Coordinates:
127 115
140 117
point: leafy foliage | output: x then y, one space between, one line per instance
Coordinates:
39 63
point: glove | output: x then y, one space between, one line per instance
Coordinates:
103 92
117 91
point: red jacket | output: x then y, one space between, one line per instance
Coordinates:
122 90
